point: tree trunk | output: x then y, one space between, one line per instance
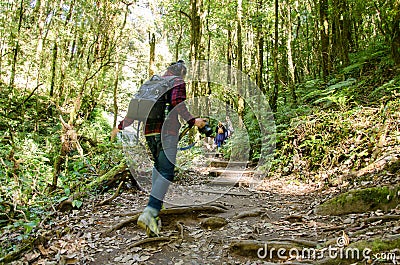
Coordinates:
152 42
274 95
395 44
196 34
229 57
178 42
115 90
196 49
260 43
324 31
345 32
208 84
53 69
16 47
291 80
241 102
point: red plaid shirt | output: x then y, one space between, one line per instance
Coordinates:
172 124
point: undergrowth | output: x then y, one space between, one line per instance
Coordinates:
343 124
27 156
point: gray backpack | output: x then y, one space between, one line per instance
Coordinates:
152 99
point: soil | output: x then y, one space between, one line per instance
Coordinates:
264 210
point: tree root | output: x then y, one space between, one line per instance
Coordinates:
232 193
161 239
122 224
383 218
168 212
108 200
16 254
379 165
118 174
27 245
252 213
256 248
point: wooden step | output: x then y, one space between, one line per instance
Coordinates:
225 163
231 172
234 181
214 154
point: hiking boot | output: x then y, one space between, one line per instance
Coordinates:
149 223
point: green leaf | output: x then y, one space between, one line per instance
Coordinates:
77 203
63 198
29 226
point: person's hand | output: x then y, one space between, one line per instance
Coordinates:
114 132
200 122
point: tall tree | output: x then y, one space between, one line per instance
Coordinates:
274 95
292 79
324 32
389 25
239 43
260 46
152 42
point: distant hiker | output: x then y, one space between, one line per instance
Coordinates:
220 134
162 139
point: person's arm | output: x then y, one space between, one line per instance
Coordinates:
125 123
122 124
178 96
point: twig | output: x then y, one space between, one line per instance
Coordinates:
107 201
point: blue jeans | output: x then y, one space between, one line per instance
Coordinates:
164 151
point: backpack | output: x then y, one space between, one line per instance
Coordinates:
220 130
150 102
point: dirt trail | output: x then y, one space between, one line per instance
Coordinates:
277 210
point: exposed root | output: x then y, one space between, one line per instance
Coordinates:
122 224
179 211
252 213
231 193
254 248
383 218
108 200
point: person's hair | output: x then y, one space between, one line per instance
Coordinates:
178 68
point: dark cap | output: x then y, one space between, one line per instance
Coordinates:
178 68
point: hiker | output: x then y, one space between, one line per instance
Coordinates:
221 135
162 140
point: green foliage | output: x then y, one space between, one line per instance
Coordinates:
331 138
27 160
254 134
